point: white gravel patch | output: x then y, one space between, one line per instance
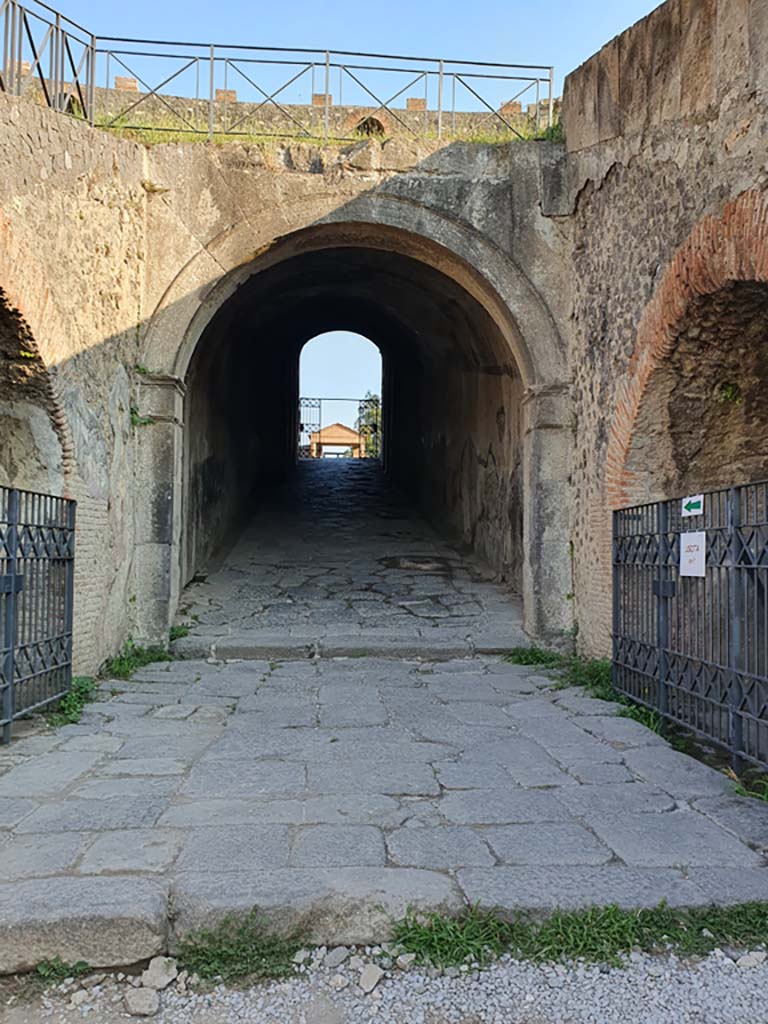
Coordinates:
647 990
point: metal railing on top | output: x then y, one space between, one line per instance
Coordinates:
238 90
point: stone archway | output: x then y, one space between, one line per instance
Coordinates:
409 279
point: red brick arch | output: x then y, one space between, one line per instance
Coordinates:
732 246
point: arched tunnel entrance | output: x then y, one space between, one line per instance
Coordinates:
452 398
472 429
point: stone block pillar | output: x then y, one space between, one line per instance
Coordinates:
547 571
158 516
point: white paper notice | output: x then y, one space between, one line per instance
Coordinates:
693 554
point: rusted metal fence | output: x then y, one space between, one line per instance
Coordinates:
37 551
236 90
690 617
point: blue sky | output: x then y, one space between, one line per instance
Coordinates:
562 33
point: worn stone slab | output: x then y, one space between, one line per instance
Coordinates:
472 775
134 850
144 766
544 888
47 774
744 817
27 856
369 645
600 774
211 778
261 645
441 848
490 807
386 777
340 906
614 799
330 846
335 809
229 848
677 773
74 815
624 731
12 811
555 843
730 885
674 839
102 921
134 785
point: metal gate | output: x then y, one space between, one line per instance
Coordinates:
37 549
695 647
316 417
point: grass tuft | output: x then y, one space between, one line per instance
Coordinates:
476 936
534 656
178 632
69 709
595 935
131 658
237 948
56 970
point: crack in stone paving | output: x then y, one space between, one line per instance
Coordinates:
337 791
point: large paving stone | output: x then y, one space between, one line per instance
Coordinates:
491 807
472 775
677 773
555 843
338 906
209 778
229 848
730 885
546 888
12 811
675 839
102 921
144 766
614 799
331 846
442 848
623 731
47 774
28 856
135 850
375 776
335 809
95 815
744 817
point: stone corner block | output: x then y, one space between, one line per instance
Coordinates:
102 921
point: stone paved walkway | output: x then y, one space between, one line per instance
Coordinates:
339 791
337 562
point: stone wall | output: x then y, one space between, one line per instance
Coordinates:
115 256
666 132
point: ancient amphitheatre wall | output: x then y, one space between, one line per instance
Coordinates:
667 151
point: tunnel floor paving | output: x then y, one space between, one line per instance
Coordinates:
336 560
338 791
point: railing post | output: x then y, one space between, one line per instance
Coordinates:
59 64
662 608
616 579
69 595
14 12
551 107
327 113
92 84
9 617
736 616
211 94
440 73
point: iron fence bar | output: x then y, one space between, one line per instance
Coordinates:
382 106
551 104
440 75
736 652
36 68
327 101
9 616
662 607
76 74
271 98
92 83
490 108
152 92
211 86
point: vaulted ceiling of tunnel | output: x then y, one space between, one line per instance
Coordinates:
393 299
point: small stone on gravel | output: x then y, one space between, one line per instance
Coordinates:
336 957
161 972
142 1002
370 978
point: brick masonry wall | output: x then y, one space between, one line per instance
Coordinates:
667 167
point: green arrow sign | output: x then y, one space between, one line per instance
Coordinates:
693 505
